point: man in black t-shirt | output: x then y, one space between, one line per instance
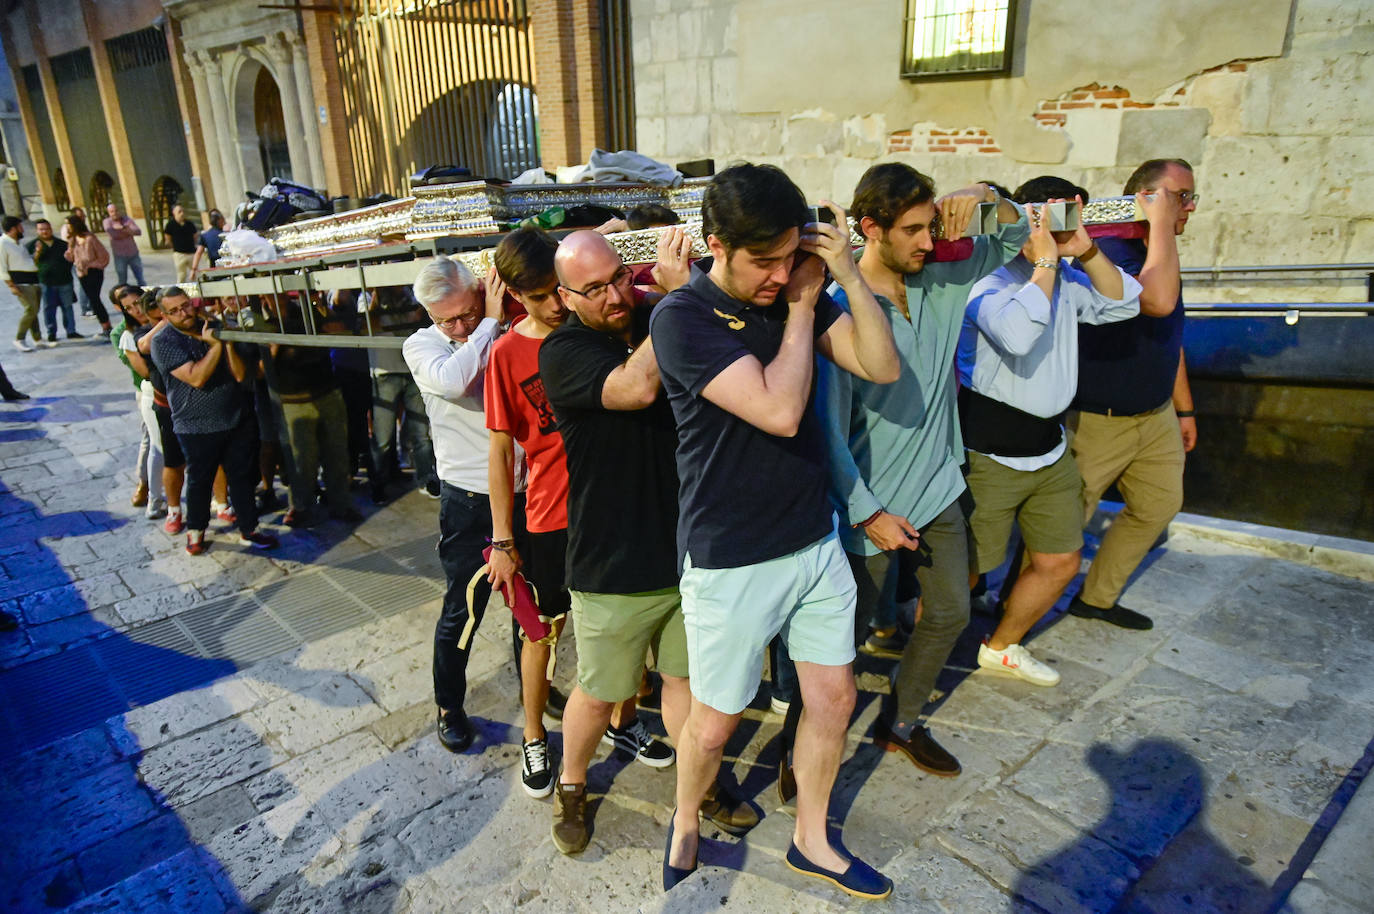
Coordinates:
602 380
736 349
1134 419
180 234
212 421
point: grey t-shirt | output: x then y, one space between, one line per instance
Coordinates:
216 407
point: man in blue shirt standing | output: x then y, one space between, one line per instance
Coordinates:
756 535
895 449
1018 366
1134 418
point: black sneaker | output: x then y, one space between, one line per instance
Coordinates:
1115 614
76 336
535 771
636 740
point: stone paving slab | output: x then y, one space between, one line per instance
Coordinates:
1200 766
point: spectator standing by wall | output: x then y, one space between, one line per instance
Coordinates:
121 230
64 231
180 235
54 279
89 259
19 272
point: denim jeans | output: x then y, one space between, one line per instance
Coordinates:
391 391
55 297
124 264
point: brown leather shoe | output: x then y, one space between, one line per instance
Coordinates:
728 811
920 748
787 782
140 496
570 833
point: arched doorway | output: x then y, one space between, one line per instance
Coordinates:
99 195
59 190
263 145
165 193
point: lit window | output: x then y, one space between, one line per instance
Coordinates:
946 37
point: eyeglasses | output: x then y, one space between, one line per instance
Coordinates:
1185 196
597 290
449 322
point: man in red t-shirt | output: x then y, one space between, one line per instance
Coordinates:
519 412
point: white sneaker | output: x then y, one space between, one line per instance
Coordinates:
1018 662
22 345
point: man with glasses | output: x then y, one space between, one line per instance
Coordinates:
1134 419
211 418
602 380
449 362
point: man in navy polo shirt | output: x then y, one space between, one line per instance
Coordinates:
1134 419
756 534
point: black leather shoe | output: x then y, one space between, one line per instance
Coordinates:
13 395
920 748
1116 615
455 732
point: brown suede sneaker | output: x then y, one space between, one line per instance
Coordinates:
570 833
727 811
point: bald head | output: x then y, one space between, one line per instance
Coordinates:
594 282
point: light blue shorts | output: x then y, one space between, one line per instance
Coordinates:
732 613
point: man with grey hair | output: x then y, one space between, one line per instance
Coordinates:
449 361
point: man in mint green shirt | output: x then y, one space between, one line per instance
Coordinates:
895 449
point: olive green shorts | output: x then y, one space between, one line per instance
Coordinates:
1047 504
614 633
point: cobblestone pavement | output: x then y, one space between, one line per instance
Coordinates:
238 731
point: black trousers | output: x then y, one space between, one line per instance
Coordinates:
237 451
464 525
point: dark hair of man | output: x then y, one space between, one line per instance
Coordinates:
10 222
1048 187
117 293
78 225
167 292
524 259
1000 188
41 222
648 215
1148 174
216 219
888 190
749 206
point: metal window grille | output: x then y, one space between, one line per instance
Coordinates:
617 67
144 48
73 67
957 37
436 82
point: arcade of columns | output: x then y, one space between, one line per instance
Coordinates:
225 103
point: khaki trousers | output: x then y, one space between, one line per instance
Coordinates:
183 265
1143 455
29 296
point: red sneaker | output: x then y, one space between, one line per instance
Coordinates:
174 524
195 543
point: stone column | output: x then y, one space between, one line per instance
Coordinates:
76 192
310 120
114 120
225 135
196 65
279 52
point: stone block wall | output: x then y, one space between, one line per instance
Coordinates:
1281 143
